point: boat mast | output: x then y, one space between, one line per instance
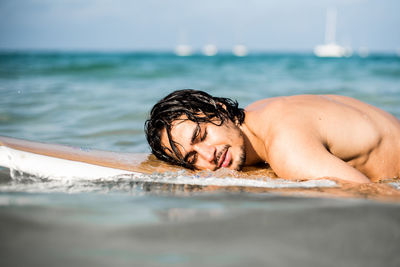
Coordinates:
330 30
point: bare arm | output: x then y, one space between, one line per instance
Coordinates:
303 156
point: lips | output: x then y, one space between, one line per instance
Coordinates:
225 159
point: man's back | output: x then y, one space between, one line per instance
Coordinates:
298 131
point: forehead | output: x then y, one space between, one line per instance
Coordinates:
181 133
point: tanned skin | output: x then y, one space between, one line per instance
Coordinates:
300 137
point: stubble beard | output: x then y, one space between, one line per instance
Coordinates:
240 162
242 155
242 158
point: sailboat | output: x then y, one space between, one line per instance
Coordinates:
183 49
210 50
330 48
240 50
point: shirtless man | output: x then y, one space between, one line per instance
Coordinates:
300 137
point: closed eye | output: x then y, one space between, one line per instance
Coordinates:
191 157
195 134
204 135
197 137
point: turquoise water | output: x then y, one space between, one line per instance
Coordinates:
101 100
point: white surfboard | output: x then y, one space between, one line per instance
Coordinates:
59 161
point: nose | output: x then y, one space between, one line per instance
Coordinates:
207 152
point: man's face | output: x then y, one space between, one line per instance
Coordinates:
208 146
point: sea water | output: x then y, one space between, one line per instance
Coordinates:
101 100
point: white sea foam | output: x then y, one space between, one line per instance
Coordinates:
182 178
395 185
23 182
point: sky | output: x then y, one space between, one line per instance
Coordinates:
159 25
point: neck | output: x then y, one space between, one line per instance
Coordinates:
255 147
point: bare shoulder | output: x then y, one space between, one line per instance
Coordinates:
334 109
297 110
262 104
289 104
278 108
334 119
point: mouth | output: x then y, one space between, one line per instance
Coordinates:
225 159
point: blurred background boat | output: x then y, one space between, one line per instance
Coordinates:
210 50
240 50
331 48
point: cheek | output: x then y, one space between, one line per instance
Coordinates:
229 137
217 135
237 139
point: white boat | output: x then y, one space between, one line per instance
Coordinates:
183 50
331 48
210 50
240 50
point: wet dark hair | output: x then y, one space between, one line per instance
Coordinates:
197 106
